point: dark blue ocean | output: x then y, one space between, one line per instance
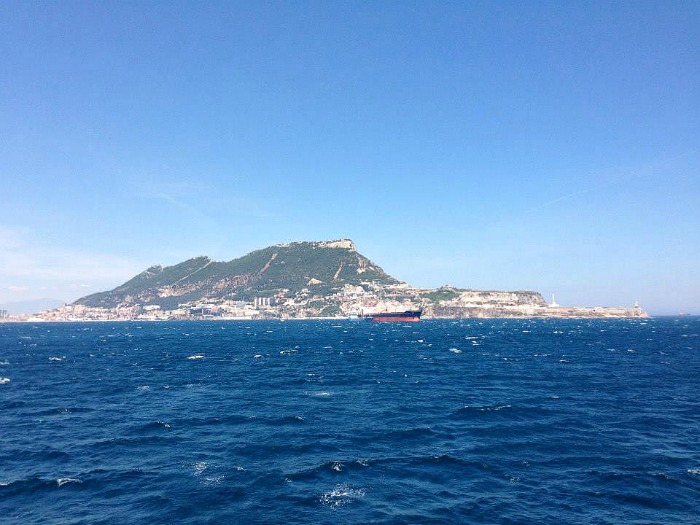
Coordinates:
472 421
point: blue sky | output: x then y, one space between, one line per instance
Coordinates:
552 146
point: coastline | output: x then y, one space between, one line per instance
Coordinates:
544 313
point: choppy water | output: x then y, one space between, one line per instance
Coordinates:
497 421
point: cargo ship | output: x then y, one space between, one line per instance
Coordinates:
409 316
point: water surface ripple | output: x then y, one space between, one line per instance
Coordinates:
471 421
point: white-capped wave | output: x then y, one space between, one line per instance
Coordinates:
63 481
321 394
455 350
199 467
196 356
57 358
203 471
4 362
489 408
4 380
341 495
214 480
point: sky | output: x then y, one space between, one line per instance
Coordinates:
547 146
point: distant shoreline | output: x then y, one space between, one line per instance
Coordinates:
349 320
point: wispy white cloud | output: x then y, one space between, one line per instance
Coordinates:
201 213
11 238
620 175
204 200
30 267
561 198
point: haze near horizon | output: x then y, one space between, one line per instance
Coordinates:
551 147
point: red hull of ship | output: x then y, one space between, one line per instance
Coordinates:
409 316
388 319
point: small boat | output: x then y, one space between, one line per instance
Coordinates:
409 316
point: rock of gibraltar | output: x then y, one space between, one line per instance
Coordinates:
300 280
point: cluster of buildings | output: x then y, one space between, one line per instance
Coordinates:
350 301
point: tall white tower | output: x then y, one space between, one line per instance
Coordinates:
554 302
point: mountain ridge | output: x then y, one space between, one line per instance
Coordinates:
289 268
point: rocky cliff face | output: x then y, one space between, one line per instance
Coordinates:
474 303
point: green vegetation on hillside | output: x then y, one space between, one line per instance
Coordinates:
285 269
441 294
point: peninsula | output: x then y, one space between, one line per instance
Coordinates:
300 280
